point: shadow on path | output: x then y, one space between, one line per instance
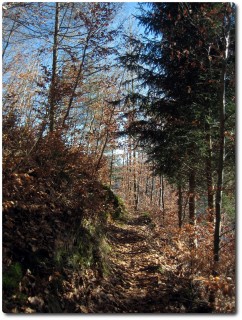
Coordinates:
123 236
139 283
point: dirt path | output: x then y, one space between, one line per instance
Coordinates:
140 283
137 264
143 277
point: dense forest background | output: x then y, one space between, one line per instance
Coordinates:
118 132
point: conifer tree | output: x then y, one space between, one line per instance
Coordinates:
186 68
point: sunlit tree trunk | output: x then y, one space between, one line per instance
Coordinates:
152 188
135 184
209 176
161 201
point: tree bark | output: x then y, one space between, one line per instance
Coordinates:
179 202
218 202
219 191
209 176
147 185
135 184
192 200
152 188
163 194
52 96
102 151
161 197
111 169
78 78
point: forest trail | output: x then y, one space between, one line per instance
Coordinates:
140 275
140 281
137 266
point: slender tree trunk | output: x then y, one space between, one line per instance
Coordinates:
124 173
107 136
52 95
84 126
130 190
209 176
152 188
192 215
111 169
99 132
89 138
147 185
161 197
135 185
141 178
218 202
127 187
102 151
192 201
78 78
179 202
163 193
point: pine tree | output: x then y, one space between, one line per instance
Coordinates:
184 70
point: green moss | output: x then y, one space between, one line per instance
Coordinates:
22 297
89 250
118 211
105 249
12 276
145 214
79 254
229 206
161 269
89 247
147 219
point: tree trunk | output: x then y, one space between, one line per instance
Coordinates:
209 176
161 197
152 188
140 178
89 136
107 136
127 191
147 185
179 202
78 78
163 193
135 184
111 169
192 201
52 95
102 151
218 204
130 189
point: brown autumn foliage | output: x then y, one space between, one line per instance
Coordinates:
52 198
189 250
49 191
